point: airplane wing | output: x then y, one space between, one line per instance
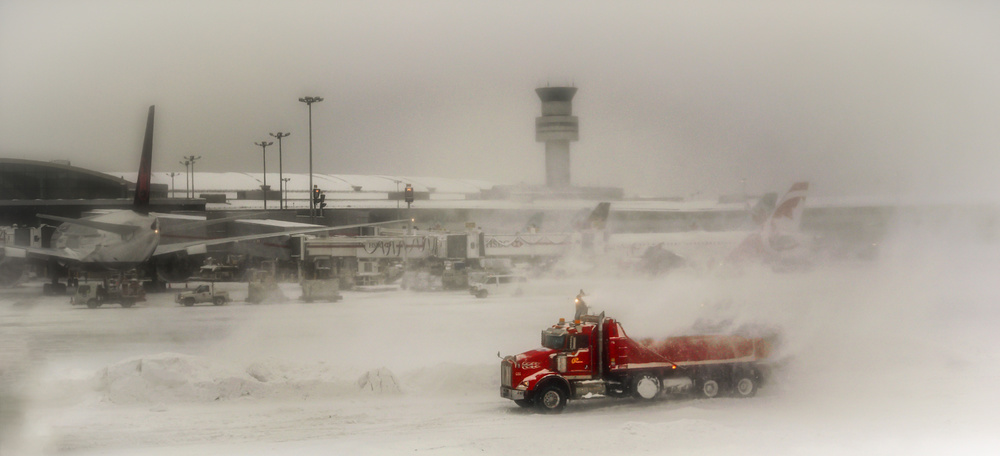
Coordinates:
123 230
17 251
204 223
199 246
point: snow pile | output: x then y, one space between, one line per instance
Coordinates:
171 377
378 380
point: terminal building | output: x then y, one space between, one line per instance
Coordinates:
28 188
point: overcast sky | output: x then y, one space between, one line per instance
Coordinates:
675 98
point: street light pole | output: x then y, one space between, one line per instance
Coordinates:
172 174
312 204
187 177
263 145
281 180
284 180
192 159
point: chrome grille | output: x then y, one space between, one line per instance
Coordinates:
506 367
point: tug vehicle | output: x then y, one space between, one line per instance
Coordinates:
204 293
594 357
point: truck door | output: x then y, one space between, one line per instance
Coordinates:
579 360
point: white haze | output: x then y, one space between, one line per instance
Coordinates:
676 98
894 356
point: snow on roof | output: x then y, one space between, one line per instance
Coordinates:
299 182
536 205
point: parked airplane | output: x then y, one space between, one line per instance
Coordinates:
121 240
777 235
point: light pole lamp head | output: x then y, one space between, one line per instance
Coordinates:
279 135
311 100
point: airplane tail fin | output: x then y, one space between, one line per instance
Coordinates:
142 181
787 215
598 218
778 232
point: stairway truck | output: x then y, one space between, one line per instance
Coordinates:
594 357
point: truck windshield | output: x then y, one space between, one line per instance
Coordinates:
555 340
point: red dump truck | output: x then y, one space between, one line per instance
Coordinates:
593 357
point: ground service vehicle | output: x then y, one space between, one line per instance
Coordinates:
512 284
593 357
204 293
123 291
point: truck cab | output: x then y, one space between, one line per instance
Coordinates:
566 365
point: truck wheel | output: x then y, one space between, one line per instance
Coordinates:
126 303
551 399
708 388
746 385
219 301
524 403
188 302
482 293
93 303
646 386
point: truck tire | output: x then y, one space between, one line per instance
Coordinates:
188 302
93 303
745 384
551 399
482 293
646 387
126 303
219 300
708 388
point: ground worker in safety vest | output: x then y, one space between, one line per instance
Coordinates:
581 307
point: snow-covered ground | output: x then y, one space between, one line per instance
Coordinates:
896 356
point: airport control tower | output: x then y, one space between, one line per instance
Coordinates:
556 127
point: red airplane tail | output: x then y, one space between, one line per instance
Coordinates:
142 181
779 231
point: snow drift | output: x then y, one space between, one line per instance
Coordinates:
175 378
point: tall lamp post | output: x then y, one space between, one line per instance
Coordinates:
263 145
312 204
172 174
284 180
281 180
187 177
192 159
